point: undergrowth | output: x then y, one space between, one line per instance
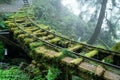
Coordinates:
13 74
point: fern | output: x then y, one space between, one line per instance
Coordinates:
53 73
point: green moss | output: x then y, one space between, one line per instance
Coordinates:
28 40
17 32
43 26
48 37
38 32
53 31
77 61
14 29
60 55
91 53
75 48
11 17
22 36
11 25
55 40
65 53
7 22
20 20
35 44
116 47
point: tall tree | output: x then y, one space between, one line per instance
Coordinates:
99 23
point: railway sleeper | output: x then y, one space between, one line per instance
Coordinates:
64 53
39 34
28 40
64 44
21 37
42 50
43 26
10 24
54 40
30 30
17 32
35 44
21 20
75 48
48 37
89 55
28 24
13 29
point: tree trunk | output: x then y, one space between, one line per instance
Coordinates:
99 23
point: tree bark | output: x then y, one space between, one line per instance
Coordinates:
99 23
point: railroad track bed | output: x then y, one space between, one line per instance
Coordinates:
40 41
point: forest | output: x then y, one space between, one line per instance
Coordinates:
88 28
92 19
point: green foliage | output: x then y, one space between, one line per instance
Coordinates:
67 53
1 51
2 25
55 16
5 16
53 73
13 74
107 60
2 19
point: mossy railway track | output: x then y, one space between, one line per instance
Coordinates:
38 40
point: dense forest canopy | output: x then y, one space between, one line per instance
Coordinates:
77 19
